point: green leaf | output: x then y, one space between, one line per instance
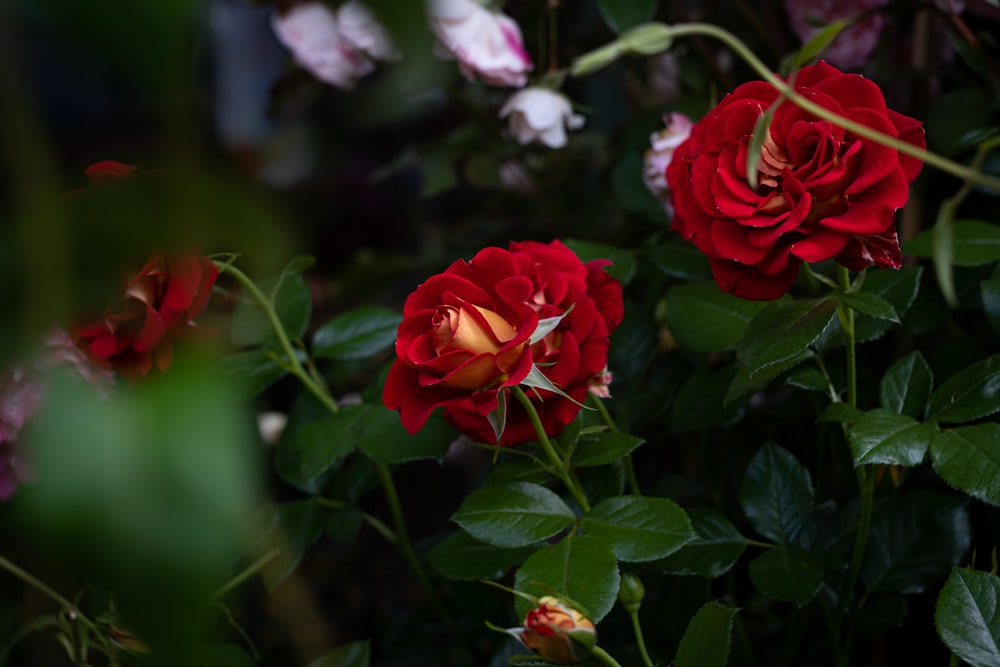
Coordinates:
602 448
463 558
292 302
787 573
547 325
914 540
975 243
382 438
808 378
355 654
620 15
871 305
623 264
706 640
300 525
782 330
968 458
343 523
250 371
700 402
818 43
906 386
761 130
989 292
745 381
358 334
639 528
972 393
776 494
579 568
513 515
881 436
539 380
680 259
839 412
968 619
898 287
320 444
704 318
517 469
716 549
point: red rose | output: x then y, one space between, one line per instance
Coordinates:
466 335
159 303
823 192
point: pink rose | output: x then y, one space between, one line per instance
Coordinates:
358 26
853 47
658 157
487 44
311 32
540 115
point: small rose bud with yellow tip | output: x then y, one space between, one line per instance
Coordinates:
557 632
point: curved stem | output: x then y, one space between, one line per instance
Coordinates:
404 545
294 366
637 629
630 477
961 171
550 450
245 574
605 657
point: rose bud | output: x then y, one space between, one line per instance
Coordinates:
540 115
557 632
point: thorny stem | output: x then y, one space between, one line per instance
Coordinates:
317 389
550 450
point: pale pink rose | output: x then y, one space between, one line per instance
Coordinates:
311 33
541 115
853 47
487 44
658 157
358 26
600 384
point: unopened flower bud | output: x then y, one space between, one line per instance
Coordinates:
631 592
557 632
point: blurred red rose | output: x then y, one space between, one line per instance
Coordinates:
823 193
466 335
135 334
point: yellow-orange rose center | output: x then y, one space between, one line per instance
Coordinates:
471 329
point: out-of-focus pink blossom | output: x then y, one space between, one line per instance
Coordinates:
358 26
487 44
541 115
311 33
951 6
854 46
658 157
600 384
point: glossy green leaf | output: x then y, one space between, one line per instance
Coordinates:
358 334
745 381
464 558
882 436
513 515
968 458
975 243
517 469
914 540
700 402
808 378
871 305
898 287
839 412
291 300
782 330
250 371
680 259
603 448
968 617
623 264
639 528
355 654
620 15
579 568
716 549
706 640
818 43
776 494
972 393
906 386
382 438
704 318
787 573
320 444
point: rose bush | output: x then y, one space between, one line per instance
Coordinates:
823 192
466 336
135 334
541 115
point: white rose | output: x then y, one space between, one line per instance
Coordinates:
311 33
487 44
542 115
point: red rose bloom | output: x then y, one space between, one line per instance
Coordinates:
466 335
159 303
823 192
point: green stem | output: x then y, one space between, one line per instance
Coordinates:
758 543
372 521
846 315
630 478
637 628
961 171
403 543
605 657
245 574
550 450
294 366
